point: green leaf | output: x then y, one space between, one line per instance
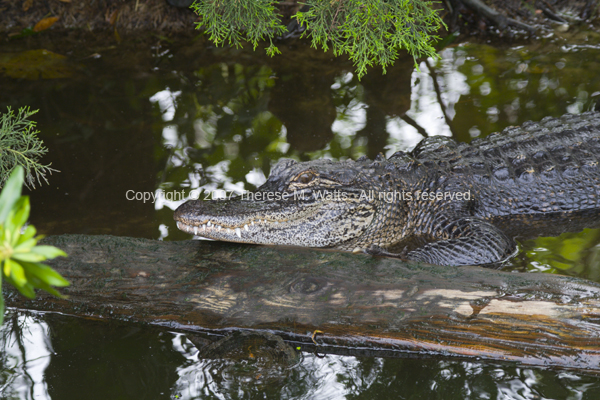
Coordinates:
28 257
38 283
11 192
48 252
21 214
46 274
24 246
1 302
17 273
6 267
28 234
15 220
26 289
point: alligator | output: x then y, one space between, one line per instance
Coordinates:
443 203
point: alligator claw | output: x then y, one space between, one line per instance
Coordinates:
375 250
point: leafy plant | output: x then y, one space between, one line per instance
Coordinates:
20 255
232 22
19 145
370 32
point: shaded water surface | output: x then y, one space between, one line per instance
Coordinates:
66 358
165 120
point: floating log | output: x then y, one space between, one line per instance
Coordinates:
360 303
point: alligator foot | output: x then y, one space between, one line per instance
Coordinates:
471 242
375 250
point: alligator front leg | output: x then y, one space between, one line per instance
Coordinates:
470 241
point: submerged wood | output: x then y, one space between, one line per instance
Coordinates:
359 302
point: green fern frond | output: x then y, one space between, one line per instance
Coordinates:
20 145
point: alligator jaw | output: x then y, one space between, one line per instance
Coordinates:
314 204
321 224
213 230
225 220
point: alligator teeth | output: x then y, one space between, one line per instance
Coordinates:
195 230
208 224
246 227
204 227
238 232
219 227
252 223
357 250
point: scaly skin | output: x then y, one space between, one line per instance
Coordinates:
544 169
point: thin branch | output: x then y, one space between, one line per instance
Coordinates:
500 20
548 12
438 92
414 124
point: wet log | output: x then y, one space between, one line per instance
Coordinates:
360 303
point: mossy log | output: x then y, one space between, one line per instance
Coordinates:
360 303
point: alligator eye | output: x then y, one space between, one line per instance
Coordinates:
305 178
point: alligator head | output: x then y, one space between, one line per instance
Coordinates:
318 203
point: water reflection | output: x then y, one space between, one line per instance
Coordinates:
52 356
571 253
334 377
24 356
307 119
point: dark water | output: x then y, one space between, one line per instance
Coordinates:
66 358
153 117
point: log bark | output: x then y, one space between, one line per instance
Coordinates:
360 303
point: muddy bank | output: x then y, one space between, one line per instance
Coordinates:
124 16
503 17
89 15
